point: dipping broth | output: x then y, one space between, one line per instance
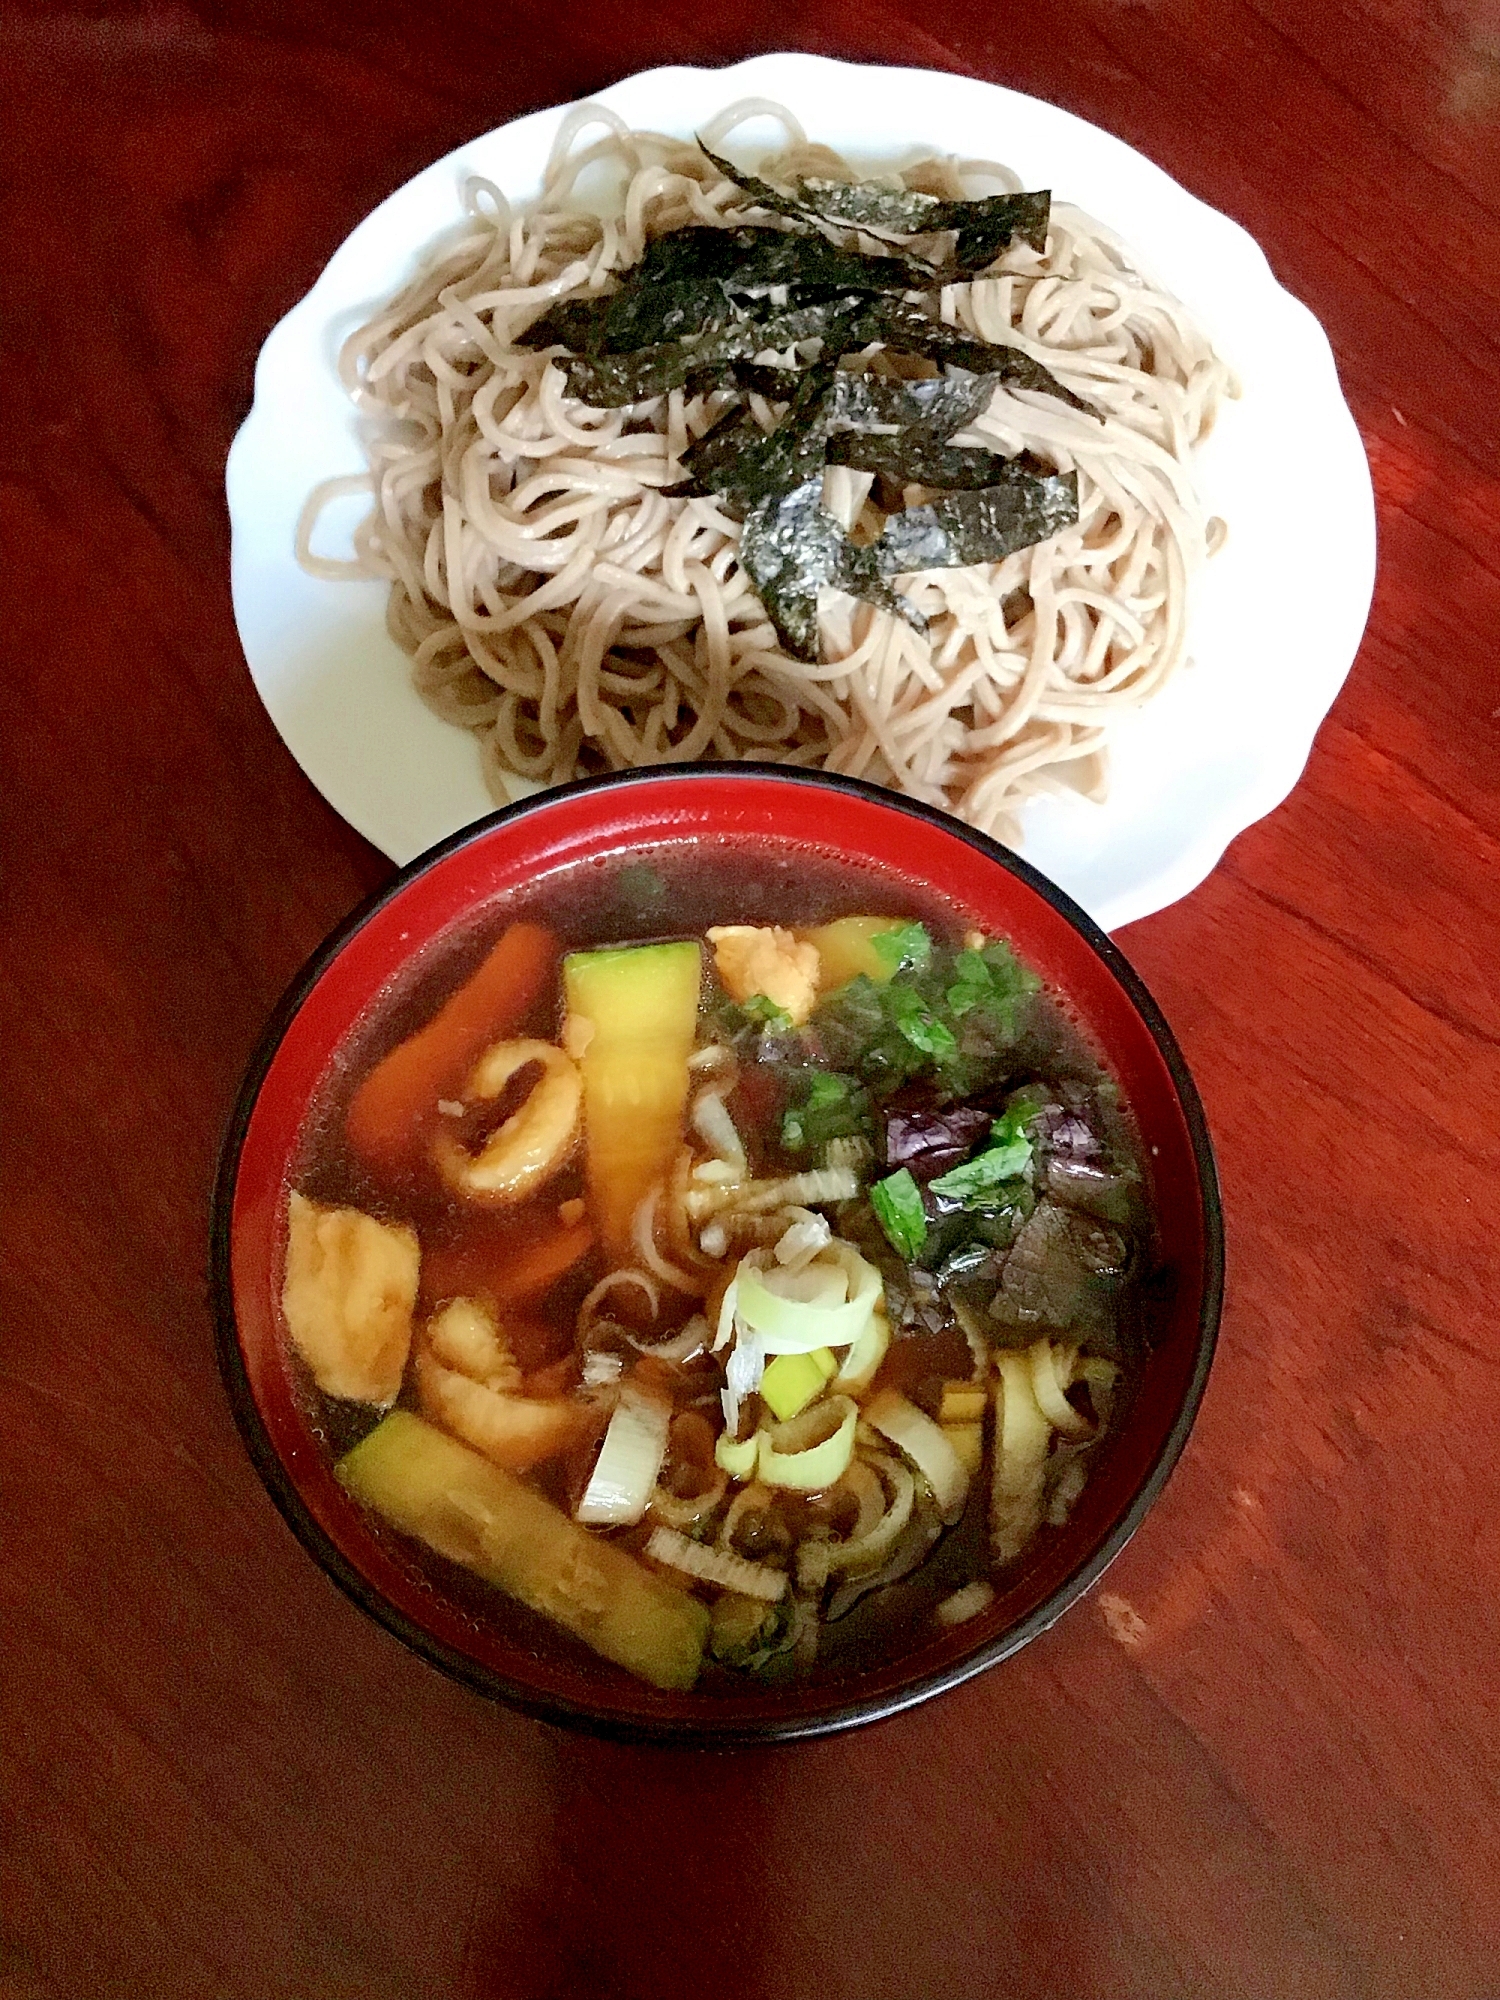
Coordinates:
724 1261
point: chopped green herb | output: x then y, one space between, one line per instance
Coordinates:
985 1172
907 945
1010 1127
993 1013
641 883
914 1020
999 1215
897 1202
833 1106
973 983
765 1012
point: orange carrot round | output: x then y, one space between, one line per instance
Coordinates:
397 1101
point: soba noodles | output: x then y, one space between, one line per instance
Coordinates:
559 603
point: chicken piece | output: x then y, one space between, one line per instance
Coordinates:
348 1294
770 961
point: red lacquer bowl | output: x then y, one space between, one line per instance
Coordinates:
608 817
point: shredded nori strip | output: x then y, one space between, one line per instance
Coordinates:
907 458
832 419
962 528
688 281
906 329
984 226
743 464
791 547
703 303
844 325
935 407
609 381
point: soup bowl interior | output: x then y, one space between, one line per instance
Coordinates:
789 814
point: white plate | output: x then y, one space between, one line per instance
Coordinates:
1275 624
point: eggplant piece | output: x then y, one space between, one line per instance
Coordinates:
1066 1132
429 1486
1046 1281
930 1141
1092 1188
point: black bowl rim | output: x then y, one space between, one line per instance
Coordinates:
704 1732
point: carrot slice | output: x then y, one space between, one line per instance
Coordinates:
537 1268
507 1263
397 1101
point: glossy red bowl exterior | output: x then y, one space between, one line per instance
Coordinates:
765 805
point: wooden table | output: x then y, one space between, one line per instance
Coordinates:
1262 1759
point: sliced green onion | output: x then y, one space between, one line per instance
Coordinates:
806 1454
738 1460
792 1380
675 1510
865 1356
870 1544
965 1604
629 1462
827 1303
730 1572
912 1431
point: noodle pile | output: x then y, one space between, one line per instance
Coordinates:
557 602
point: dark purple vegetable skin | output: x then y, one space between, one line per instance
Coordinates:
928 1141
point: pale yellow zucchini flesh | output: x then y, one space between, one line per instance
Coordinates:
632 1019
432 1487
846 949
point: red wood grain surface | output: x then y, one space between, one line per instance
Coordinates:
1264 1758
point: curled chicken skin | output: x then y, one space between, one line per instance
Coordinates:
532 1143
469 1383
